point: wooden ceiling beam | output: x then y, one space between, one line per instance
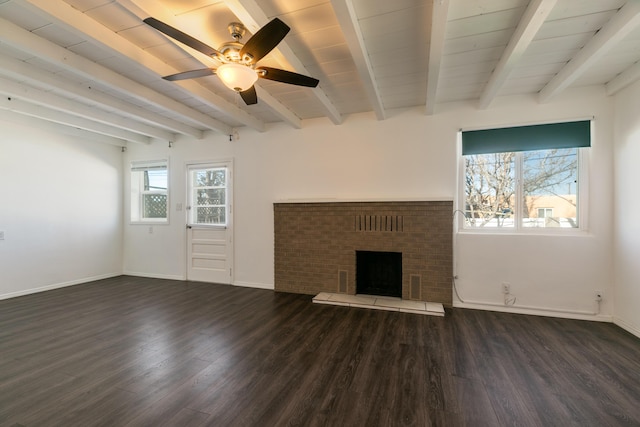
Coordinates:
21 105
618 27
348 21
531 21
36 77
19 91
439 13
24 119
624 79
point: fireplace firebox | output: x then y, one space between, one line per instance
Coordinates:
379 273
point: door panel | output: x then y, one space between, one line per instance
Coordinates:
208 255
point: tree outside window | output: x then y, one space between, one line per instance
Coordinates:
522 188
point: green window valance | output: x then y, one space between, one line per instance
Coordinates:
527 138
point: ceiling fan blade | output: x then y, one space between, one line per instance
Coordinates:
263 41
285 76
190 74
183 38
249 96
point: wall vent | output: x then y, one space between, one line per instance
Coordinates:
342 281
379 223
414 291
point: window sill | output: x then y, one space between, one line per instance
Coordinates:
573 232
147 222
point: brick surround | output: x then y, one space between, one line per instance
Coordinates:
316 244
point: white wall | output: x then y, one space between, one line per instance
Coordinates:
60 208
408 155
626 208
549 275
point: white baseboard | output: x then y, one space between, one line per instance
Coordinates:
254 285
535 311
154 276
626 326
58 285
182 278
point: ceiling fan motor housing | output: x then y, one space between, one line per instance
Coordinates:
231 50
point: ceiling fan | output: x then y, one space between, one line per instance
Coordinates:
238 70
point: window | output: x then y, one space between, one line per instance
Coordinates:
545 212
523 177
208 196
149 184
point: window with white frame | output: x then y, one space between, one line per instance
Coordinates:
524 177
149 191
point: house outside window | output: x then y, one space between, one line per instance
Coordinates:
525 177
149 192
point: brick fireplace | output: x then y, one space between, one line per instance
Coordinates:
316 245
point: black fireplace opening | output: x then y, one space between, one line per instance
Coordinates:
379 273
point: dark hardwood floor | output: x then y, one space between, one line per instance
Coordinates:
145 352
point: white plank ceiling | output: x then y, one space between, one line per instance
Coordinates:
94 65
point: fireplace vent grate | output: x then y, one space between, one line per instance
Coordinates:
414 290
379 223
342 281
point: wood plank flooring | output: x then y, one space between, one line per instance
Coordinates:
146 352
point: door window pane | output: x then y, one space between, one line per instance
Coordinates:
208 196
211 215
211 196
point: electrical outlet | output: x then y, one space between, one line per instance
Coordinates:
506 287
599 295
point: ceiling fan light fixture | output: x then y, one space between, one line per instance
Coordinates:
238 70
237 77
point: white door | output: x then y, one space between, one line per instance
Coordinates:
209 223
